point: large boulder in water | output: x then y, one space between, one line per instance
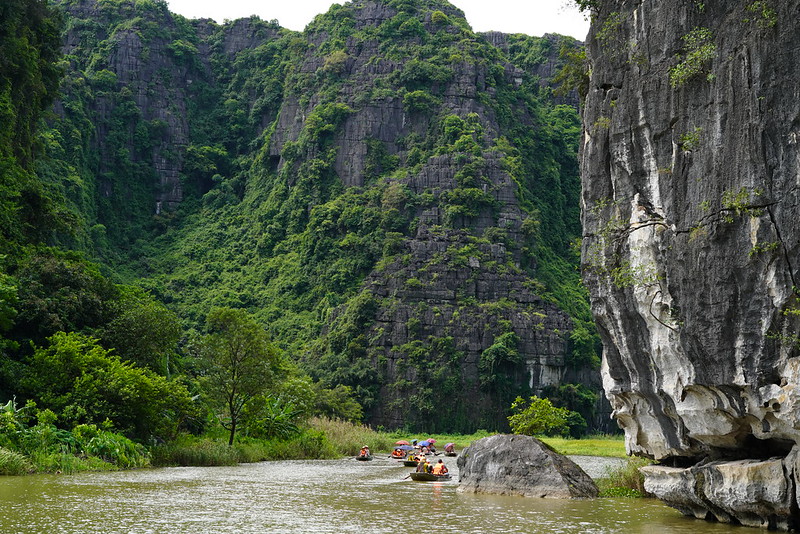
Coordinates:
521 465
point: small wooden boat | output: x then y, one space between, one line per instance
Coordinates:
364 458
429 477
451 454
410 463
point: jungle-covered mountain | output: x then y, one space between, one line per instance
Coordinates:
393 196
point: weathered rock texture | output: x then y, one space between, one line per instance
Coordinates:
174 110
436 314
156 75
521 465
691 243
432 308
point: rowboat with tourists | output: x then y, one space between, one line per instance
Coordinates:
364 455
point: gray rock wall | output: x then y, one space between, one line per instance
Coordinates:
690 170
521 465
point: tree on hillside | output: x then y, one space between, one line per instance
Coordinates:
143 331
239 363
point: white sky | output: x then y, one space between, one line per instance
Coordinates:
532 17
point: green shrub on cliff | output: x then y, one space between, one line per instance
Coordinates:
699 50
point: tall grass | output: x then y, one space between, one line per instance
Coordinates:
189 450
310 444
347 438
624 481
14 463
68 463
208 451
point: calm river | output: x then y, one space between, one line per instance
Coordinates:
307 496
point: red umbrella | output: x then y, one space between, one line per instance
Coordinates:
402 442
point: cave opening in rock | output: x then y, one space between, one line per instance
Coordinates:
761 449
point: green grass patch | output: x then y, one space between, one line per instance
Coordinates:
207 450
14 463
625 481
67 464
197 451
610 446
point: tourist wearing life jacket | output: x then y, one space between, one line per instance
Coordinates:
364 451
440 469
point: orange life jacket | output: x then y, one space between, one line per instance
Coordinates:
439 469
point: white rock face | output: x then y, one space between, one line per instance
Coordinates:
691 248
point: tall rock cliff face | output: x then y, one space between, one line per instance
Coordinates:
392 194
451 325
690 173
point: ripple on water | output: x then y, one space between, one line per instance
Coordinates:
305 496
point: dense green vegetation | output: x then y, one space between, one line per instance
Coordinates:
155 223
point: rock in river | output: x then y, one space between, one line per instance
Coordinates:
521 465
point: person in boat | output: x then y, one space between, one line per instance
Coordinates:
450 448
364 451
398 453
421 466
440 469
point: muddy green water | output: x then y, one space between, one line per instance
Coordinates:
307 496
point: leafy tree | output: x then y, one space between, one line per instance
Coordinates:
84 383
8 301
338 403
538 416
59 292
143 331
239 364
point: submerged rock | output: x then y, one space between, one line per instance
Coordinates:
521 465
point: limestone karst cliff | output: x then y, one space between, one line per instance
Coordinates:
393 195
690 249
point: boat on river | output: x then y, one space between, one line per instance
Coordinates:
410 463
366 458
429 477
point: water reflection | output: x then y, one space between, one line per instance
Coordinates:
306 496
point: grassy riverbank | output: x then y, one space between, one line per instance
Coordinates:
601 445
347 439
